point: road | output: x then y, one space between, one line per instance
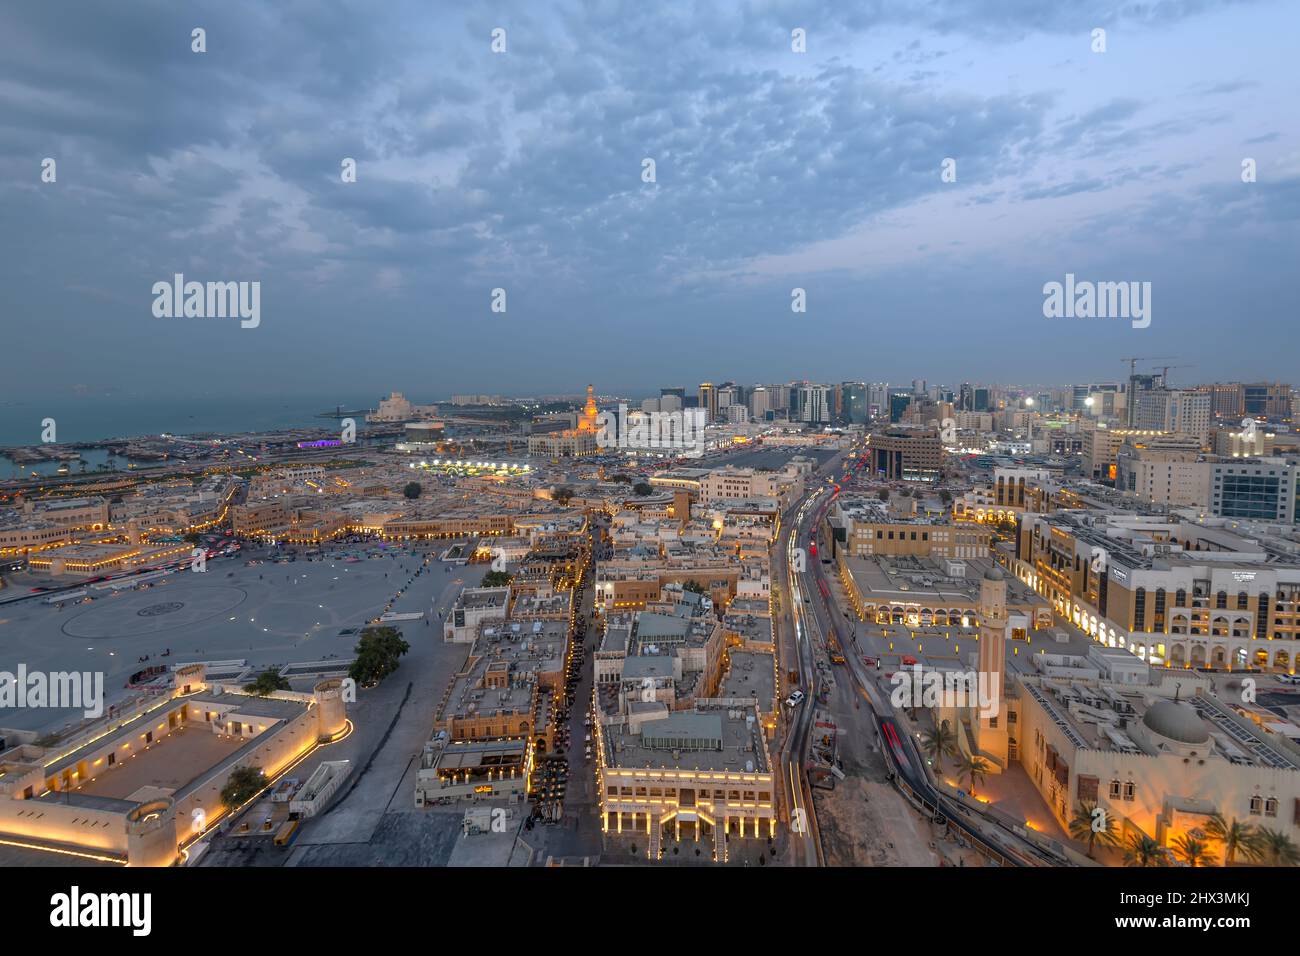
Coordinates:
797 652
815 621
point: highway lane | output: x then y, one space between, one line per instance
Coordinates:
899 747
797 653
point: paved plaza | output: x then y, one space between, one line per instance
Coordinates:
269 614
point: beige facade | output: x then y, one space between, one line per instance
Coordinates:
84 792
1175 593
704 774
914 454
1159 766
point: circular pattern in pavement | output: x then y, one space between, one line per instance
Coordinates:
154 610
137 613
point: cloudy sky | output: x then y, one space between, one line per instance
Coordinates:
523 170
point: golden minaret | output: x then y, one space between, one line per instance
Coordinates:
591 415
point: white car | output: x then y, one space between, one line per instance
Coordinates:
795 699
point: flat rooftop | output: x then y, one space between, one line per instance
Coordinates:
752 674
1096 715
704 739
475 754
474 598
905 579
748 626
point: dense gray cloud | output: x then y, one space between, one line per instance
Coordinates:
524 170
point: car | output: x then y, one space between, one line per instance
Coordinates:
1289 678
909 660
795 699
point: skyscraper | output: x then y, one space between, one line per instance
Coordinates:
813 404
854 403
709 400
1174 410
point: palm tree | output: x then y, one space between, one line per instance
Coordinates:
939 743
1276 848
973 769
1093 824
1143 851
1191 851
1236 837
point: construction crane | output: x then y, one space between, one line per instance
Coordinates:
1133 360
1164 371
1130 399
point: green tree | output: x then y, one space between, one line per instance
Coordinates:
496 579
1142 851
1276 848
378 653
973 769
267 682
642 488
1093 827
1191 851
939 742
1235 837
412 489
695 587
241 786
883 494
563 494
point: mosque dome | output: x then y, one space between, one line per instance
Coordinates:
1176 721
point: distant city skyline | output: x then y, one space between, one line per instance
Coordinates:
523 171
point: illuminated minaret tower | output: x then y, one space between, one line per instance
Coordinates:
991 728
591 415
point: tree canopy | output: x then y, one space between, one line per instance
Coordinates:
378 653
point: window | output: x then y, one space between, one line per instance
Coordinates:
1256 806
1114 789
1130 790
1088 789
1270 807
